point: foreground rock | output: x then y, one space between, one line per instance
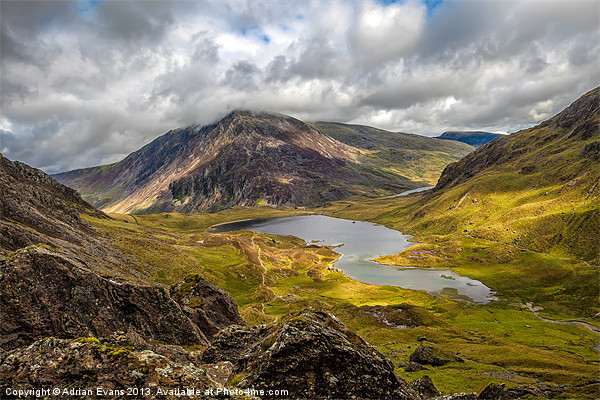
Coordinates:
209 307
311 354
111 369
425 387
43 293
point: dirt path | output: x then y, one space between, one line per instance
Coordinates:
590 327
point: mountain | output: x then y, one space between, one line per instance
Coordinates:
472 138
417 157
537 188
245 159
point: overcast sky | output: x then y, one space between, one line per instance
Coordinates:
85 83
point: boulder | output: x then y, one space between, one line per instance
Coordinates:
425 387
494 391
429 355
209 307
312 355
414 367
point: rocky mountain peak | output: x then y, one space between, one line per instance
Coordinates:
247 158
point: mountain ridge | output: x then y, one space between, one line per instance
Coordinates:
537 188
246 159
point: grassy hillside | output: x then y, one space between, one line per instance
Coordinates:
520 214
419 158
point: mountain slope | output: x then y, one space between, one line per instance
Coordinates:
537 188
51 212
56 274
417 157
245 159
472 138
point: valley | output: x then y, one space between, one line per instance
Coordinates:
519 215
271 276
317 200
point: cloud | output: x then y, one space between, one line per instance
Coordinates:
383 33
84 83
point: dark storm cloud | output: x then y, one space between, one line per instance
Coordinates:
84 83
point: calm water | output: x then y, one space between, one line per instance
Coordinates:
417 190
359 242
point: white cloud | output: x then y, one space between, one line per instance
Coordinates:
85 88
383 33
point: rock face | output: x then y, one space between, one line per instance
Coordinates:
312 355
35 208
43 293
245 159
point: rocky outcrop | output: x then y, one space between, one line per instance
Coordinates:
311 354
210 308
43 293
429 355
425 387
88 368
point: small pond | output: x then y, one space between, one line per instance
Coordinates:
358 242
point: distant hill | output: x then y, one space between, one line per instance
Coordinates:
417 157
251 159
538 188
472 138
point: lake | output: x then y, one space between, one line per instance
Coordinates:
358 242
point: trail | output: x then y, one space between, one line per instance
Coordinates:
590 327
258 254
